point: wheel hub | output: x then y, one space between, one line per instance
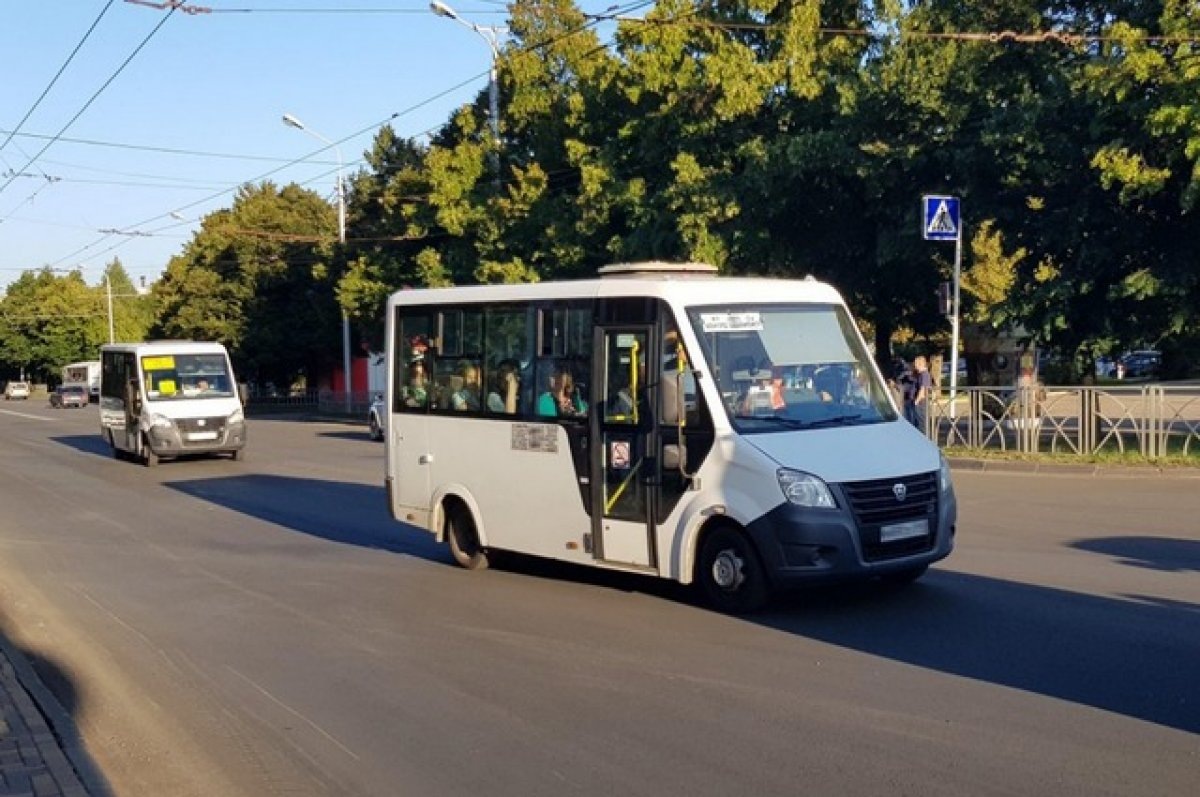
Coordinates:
728 570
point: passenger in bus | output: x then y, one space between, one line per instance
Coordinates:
765 395
506 386
416 388
466 397
561 400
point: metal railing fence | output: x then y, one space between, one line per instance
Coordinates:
1155 421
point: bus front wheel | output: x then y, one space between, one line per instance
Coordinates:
149 458
730 574
464 539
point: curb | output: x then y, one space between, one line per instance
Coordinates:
1070 469
64 759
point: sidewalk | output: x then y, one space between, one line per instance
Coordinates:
33 760
998 465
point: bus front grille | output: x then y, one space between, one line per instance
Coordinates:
889 514
200 432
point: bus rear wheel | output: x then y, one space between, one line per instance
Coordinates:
730 574
464 539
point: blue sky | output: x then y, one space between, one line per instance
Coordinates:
211 88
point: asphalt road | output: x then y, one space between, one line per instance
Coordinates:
263 627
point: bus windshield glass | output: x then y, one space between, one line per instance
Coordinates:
172 377
790 366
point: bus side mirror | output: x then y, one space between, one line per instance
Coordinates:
243 393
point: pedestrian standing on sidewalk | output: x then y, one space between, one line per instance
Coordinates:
921 391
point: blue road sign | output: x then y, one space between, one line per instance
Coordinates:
940 220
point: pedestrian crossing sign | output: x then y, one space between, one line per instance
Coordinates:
940 219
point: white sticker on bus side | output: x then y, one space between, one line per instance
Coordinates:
540 437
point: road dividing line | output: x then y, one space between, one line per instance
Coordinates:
25 415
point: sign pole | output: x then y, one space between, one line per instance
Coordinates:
954 331
941 220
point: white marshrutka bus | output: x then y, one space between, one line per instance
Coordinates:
728 432
168 399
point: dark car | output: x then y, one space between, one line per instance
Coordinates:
69 396
1140 363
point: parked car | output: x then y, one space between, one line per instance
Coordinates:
1139 363
377 419
962 371
69 396
16 390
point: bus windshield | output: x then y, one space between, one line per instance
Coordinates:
172 377
790 366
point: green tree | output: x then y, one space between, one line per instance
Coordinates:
260 277
46 321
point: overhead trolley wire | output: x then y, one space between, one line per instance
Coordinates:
57 75
91 99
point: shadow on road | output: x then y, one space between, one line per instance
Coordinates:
1128 656
87 443
57 701
351 514
350 434
1155 553
1134 656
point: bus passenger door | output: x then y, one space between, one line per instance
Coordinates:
623 467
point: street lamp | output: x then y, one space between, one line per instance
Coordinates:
489 34
292 121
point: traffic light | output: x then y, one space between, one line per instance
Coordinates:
945 299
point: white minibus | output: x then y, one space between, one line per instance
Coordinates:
728 432
168 399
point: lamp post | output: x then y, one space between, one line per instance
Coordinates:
292 121
489 34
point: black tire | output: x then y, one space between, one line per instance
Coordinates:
730 573
463 539
903 577
112 442
149 458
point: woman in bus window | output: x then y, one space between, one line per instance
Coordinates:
506 386
561 400
466 398
416 390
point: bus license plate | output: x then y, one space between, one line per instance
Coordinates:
904 531
202 436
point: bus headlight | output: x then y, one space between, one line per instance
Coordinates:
944 474
161 422
804 489
237 416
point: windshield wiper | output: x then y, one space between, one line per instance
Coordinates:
834 420
791 423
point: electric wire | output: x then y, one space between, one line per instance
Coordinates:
57 75
93 98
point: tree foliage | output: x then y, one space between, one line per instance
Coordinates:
785 137
261 278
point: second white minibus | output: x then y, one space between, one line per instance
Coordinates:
168 399
733 433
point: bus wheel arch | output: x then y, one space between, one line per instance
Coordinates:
461 533
728 569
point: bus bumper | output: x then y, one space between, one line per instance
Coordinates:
192 437
802 546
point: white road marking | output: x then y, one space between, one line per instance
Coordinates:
25 415
295 713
